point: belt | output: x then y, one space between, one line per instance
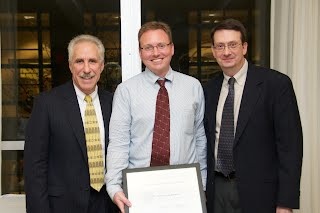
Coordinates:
230 176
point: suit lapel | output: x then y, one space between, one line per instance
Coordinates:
106 111
74 117
212 103
250 96
106 106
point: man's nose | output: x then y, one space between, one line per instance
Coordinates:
226 50
155 51
86 67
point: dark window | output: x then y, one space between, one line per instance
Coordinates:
34 58
35 35
191 22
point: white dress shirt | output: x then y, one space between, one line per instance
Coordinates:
238 90
132 122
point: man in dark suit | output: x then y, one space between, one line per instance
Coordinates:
57 177
266 145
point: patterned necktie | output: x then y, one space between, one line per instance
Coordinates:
161 134
225 147
94 148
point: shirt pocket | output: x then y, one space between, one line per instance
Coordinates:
186 120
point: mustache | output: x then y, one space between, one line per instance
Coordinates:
86 75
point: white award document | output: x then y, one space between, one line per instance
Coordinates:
164 189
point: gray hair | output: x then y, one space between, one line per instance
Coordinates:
88 38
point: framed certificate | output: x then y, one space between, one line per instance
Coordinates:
164 189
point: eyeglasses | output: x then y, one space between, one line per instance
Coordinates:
159 46
230 45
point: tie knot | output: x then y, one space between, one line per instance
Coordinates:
161 82
231 81
88 99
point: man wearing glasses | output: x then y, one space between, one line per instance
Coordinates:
157 116
253 129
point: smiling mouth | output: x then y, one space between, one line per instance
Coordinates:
157 59
228 59
86 77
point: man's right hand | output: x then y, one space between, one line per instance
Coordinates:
120 200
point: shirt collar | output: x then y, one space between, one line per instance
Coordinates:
241 75
81 95
152 78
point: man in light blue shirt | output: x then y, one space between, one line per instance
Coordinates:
133 116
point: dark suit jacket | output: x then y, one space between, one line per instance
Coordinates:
268 141
55 157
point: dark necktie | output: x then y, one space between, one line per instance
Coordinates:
161 134
225 147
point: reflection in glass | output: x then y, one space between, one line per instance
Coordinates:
108 19
45 19
191 24
9 42
7 20
12 172
34 59
27 40
28 88
26 19
7 56
111 76
46 47
26 56
110 40
87 19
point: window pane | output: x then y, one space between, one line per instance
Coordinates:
28 89
47 81
29 70
27 40
191 24
27 19
6 19
12 172
27 56
46 47
108 19
45 19
6 56
34 58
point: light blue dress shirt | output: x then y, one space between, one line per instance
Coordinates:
132 121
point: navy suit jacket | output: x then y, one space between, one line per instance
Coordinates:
268 141
56 163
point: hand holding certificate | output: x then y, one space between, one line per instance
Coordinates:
166 189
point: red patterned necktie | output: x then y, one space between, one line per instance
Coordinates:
161 134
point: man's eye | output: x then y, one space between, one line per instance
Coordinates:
233 45
161 45
148 48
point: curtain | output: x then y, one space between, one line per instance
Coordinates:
295 51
